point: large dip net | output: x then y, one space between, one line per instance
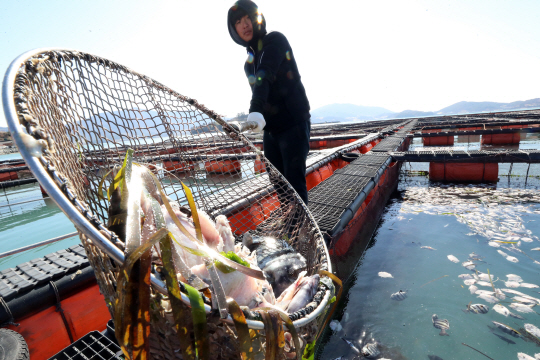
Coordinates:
83 123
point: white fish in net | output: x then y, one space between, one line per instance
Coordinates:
385 274
453 259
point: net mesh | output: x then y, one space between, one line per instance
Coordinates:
90 110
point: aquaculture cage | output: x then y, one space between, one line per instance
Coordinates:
77 119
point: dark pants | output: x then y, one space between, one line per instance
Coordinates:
287 151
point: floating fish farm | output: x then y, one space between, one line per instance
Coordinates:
404 226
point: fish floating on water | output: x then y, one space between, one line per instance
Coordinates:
469 265
522 308
441 324
477 308
399 296
501 310
453 259
370 351
427 247
507 329
523 356
505 339
385 274
533 330
352 346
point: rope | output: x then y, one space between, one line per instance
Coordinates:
61 311
11 320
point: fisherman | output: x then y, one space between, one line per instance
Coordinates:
279 104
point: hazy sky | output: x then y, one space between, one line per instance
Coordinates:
421 55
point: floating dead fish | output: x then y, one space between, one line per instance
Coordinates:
370 351
385 274
511 284
469 282
516 316
427 247
473 289
441 324
335 325
523 356
526 239
485 277
489 298
502 253
522 308
507 329
493 244
524 300
533 330
477 308
530 286
512 259
483 283
468 265
536 249
499 294
351 345
453 259
277 259
465 276
513 277
501 310
399 296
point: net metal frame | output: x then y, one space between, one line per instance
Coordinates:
85 111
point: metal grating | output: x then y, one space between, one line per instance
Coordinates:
93 345
388 144
366 171
371 159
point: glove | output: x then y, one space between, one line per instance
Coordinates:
257 121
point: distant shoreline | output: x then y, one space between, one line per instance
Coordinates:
8 151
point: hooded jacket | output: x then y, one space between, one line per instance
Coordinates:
277 90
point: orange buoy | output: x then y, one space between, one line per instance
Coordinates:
179 166
259 166
438 141
501 139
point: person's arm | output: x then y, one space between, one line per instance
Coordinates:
272 55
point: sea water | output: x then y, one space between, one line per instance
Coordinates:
457 220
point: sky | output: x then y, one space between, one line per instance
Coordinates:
400 55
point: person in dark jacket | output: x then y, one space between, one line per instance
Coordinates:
279 104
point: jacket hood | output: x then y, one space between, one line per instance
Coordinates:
238 10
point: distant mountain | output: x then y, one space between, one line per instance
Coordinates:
464 107
346 112
350 112
4 129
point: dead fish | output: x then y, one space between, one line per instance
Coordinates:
501 310
473 289
370 351
494 244
303 294
351 345
507 329
427 247
522 308
511 284
533 330
277 259
483 283
399 296
536 249
465 277
505 339
477 308
469 265
516 316
489 298
485 277
441 324
385 274
502 253
523 356
453 259
512 259
530 286
514 277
